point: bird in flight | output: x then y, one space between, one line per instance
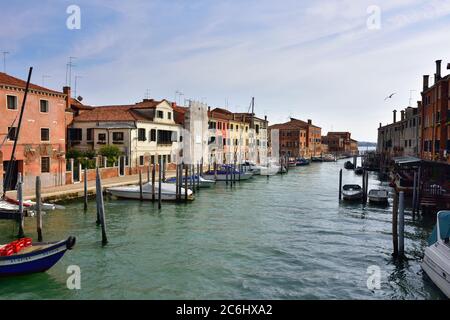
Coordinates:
390 96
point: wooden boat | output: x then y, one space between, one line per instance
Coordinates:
352 192
168 192
202 182
436 261
359 171
349 165
378 196
37 257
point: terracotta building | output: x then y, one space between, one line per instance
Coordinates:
340 142
299 138
42 142
435 114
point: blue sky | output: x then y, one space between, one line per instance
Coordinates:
307 59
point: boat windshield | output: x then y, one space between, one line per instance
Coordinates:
444 227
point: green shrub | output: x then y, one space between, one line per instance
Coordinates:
111 152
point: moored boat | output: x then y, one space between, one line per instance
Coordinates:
352 192
302 162
329 158
436 261
359 170
316 159
349 165
270 170
202 182
378 196
168 192
24 257
224 175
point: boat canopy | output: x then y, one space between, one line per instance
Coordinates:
444 227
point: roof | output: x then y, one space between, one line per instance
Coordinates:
293 124
116 125
6 79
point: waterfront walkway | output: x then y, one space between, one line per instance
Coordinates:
76 190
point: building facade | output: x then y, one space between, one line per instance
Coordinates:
298 138
340 142
435 131
41 145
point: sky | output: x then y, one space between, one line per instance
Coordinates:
314 60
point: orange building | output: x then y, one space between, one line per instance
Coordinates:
41 146
435 135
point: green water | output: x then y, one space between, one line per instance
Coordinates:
283 238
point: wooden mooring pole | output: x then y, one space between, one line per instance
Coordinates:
395 225
186 182
153 180
85 187
414 195
161 164
340 185
20 199
38 208
141 194
401 225
101 207
177 177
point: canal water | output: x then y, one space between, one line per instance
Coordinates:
286 237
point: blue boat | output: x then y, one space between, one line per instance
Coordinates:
302 162
39 257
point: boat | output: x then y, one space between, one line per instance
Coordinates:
253 168
349 165
292 163
227 173
270 170
378 196
329 158
359 170
436 261
316 159
302 162
352 192
203 183
168 192
22 257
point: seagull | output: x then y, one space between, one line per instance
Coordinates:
390 97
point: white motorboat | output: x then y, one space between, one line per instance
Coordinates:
202 182
436 262
328 158
223 175
378 196
253 168
168 192
270 170
352 192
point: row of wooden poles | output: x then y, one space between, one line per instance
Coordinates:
38 207
398 213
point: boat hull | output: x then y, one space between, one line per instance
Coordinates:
36 261
352 196
436 264
223 177
132 194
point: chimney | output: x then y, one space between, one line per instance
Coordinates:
380 125
438 70
395 116
67 91
402 114
448 66
309 121
426 79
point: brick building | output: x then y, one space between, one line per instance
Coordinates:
42 143
435 114
340 142
299 138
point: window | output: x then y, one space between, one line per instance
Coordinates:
160 114
231 126
141 160
169 115
45 134
11 102
75 134
224 141
141 135
153 135
12 133
219 125
45 164
164 137
44 106
89 134
152 159
117 137
101 138
257 129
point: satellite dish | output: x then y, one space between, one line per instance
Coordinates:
80 98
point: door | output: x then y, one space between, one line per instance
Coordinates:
14 170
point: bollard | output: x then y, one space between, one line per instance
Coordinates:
401 224
38 208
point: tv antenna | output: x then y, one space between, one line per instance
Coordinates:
4 60
69 66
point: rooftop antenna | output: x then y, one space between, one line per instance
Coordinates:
4 60
75 88
45 76
69 66
147 93
179 94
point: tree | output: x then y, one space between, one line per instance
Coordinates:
111 152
